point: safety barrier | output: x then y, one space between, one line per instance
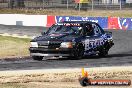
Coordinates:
47 20
23 20
104 22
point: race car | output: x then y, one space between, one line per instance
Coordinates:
74 39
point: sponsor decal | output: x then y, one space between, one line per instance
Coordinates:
82 1
55 35
86 81
102 21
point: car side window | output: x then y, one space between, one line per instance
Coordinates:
97 30
89 30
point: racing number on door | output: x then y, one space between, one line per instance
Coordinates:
93 43
89 44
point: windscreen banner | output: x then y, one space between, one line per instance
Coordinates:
102 21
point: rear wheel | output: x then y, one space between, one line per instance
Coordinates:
39 58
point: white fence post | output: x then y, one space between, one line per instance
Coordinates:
79 6
43 4
92 5
120 4
67 4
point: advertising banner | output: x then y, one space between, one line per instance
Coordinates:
113 23
77 1
125 23
50 20
102 21
82 1
119 23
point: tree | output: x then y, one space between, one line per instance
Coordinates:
20 3
11 4
16 4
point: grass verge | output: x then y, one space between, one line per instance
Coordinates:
64 12
13 47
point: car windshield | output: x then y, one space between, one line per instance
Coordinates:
64 29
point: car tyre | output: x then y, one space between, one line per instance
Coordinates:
79 52
84 81
103 52
38 58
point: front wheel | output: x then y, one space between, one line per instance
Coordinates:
103 52
38 58
79 52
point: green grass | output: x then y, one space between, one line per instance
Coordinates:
13 47
64 12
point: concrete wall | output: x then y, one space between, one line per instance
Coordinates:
23 20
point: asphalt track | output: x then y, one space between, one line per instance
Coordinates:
119 55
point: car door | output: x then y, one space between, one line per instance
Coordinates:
94 40
98 36
89 41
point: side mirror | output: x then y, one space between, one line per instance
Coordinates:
42 33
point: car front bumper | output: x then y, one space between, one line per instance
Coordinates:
64 52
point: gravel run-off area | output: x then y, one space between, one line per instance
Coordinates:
63 78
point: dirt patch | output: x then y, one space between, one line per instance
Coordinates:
54 85
62 78
65 85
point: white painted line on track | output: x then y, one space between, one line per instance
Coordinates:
17 35
69 70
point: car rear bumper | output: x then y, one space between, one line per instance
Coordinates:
64 52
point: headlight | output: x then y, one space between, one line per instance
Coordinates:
66 45
34 44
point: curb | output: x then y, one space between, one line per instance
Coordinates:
17 35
